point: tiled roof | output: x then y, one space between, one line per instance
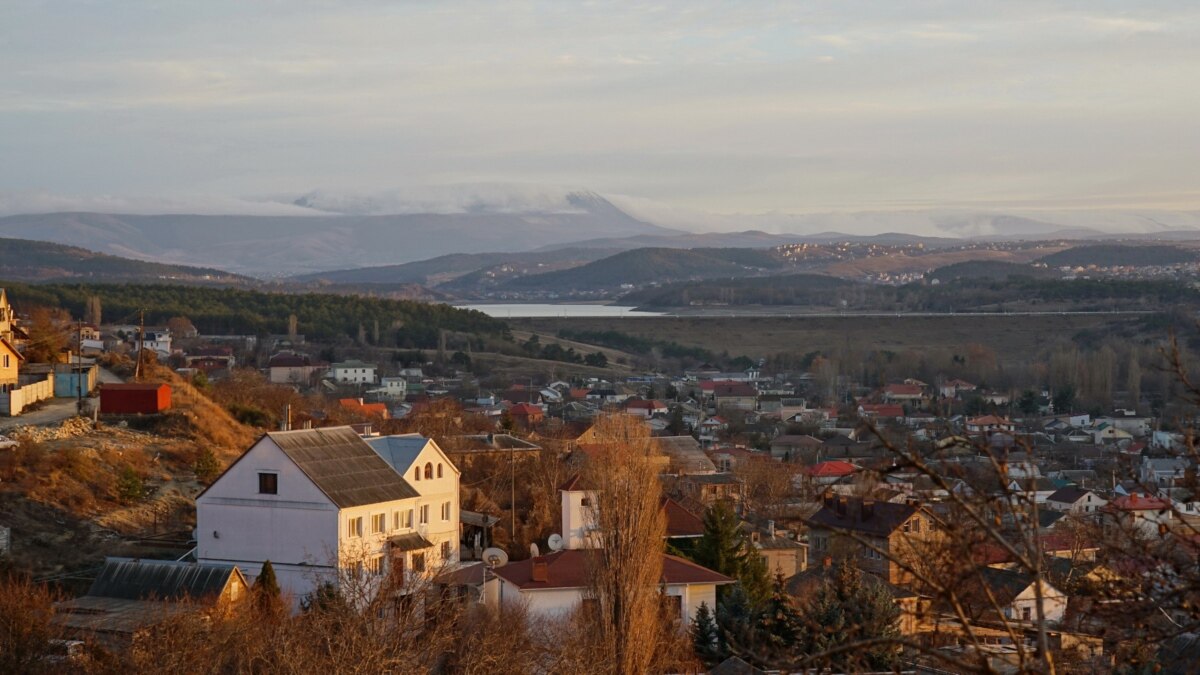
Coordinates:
341 464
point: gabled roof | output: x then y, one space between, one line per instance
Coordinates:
130 579
343 466
680 521
569 569
880 519
1068 495
400 451
1136 502
830 469
11 348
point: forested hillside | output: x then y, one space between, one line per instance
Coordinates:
1110 255
400 323
25 260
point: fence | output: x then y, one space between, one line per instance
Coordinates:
15 401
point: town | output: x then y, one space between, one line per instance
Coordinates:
964 524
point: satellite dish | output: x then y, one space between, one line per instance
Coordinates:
495 557
555 542
533 550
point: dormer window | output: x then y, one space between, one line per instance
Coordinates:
268 483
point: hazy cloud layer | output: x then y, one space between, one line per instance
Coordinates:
745 107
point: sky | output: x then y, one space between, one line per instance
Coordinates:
730 108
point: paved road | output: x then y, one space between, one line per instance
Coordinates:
55 410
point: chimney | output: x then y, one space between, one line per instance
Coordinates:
827 562
868 509
827 497
771 528
541 569
841 506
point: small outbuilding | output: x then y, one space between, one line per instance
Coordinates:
134 399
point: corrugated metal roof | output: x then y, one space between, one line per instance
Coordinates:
343 466
129 579
400 450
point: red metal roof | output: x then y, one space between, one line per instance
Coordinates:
830 469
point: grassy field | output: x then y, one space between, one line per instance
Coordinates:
1012 337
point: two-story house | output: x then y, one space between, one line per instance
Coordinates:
353 372
875 535
429 471
322 503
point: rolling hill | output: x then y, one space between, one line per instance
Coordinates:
39 261
1110 255
652 266
988 269
444 268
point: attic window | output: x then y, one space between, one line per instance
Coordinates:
268 483
439 469
428 470
417 473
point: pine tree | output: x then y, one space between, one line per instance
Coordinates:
779 627
266 589
726 549
846 608
706 637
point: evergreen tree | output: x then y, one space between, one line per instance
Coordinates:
726 549
676 425
779 627
207 466
266 589
706 637
846 608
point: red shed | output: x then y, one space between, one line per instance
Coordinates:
134 399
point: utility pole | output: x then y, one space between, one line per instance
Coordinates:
137 370
79 369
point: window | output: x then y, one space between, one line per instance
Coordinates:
375 565
417 473
425 514
6 360
268 483
378 523
439 469
355 527
446 552
396 520
418 562
445 510
1026 613
916 525
429 470
672 606
585 502
408 519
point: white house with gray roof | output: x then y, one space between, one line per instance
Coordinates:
322 503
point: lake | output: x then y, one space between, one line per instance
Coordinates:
537 310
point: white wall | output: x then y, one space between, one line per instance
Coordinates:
295 529
435 492
576 521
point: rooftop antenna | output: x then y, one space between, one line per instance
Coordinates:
533 550
555 542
